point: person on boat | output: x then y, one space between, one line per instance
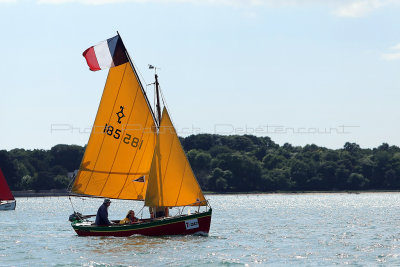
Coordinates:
130 218
157 212
102 213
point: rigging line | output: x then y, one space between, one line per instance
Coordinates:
141 76
104 136
162 96
165 105
70 200
142 212
119 144
144 92
69 187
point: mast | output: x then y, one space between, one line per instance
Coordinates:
157 93
158 100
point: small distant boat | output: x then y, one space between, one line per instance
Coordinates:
7 200
134 154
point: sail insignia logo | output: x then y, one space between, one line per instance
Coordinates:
120 114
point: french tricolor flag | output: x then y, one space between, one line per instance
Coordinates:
107 54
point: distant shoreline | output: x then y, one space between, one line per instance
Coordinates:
61 193
41 193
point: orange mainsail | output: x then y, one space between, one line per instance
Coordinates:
121 145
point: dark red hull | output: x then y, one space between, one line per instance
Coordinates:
182 225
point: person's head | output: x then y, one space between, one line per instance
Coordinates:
131 214
107 202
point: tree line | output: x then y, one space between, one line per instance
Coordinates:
234 163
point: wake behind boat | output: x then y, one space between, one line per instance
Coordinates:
134 153
7 200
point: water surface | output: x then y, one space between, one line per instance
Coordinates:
246 230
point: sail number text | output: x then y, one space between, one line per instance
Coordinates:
191 224
128 139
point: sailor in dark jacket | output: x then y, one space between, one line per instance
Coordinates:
102 213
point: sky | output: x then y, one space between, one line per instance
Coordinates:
322 72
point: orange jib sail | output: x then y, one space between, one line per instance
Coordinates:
118 156
171 182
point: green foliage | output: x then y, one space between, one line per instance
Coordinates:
357 181
40 169
219 179
26 182
200 162
61 181
66 156
232 164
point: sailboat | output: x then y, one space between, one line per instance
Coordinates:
134 153
7 200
